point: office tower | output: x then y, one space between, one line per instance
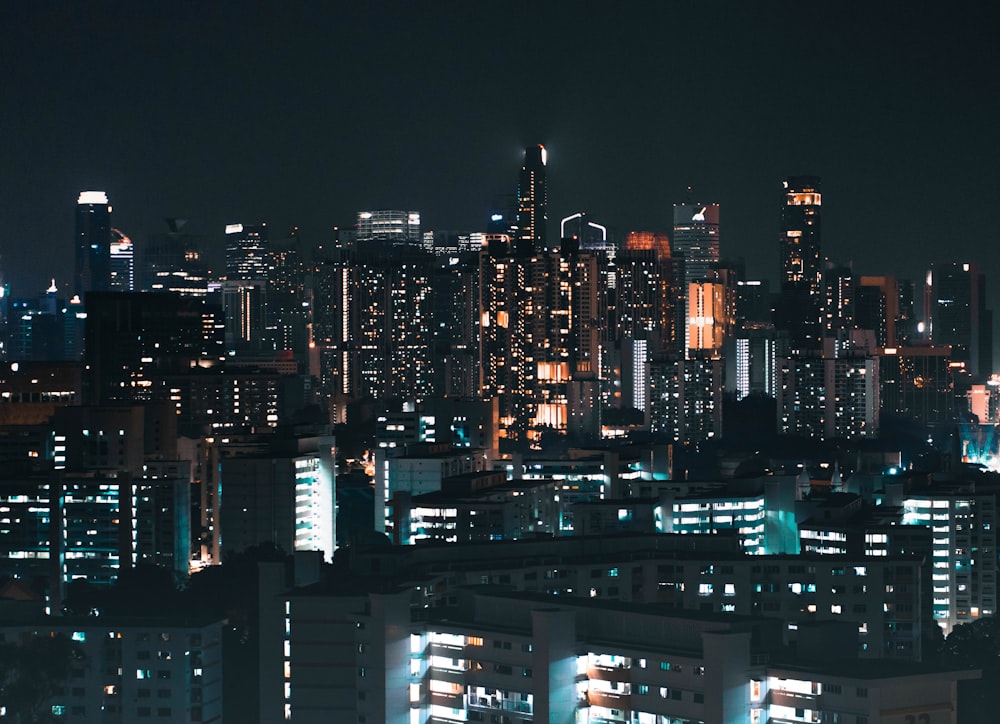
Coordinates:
696 244
45 328
93 242
175 262
696 238
709 318
959 316
289 302
121 263
800 274
754 304
135 339
877 307
648 301
838 300
246 252
532 202
244 308
398 228
917 383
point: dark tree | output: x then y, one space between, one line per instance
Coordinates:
31 672
975 645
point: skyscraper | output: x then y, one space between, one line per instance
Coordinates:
647 301
696 239
959 316
121 264
93 242
135 340
801 272
539 341
246 252
532 201
399 228
174 262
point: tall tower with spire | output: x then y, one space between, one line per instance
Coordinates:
532 202
801 267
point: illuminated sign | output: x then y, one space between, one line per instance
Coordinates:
234 228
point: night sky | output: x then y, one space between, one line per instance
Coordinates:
304 113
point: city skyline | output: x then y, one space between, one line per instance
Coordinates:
225 117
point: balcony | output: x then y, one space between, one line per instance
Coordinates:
494 704
609 700
793 699
609 673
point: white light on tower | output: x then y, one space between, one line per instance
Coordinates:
92 197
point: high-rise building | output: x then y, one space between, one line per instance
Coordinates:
399 228
93 242
45 328
696 245
456 333
134 340
175 262
246 252
289 302
244 306
959 316
335 329
838 300
648 302
285 497
754 362
835 394
708 316
754 304
918 383
539 341
696 238
121 263
532 202
375 311
877 307
799 246
686 397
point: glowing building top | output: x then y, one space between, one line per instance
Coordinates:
532 201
